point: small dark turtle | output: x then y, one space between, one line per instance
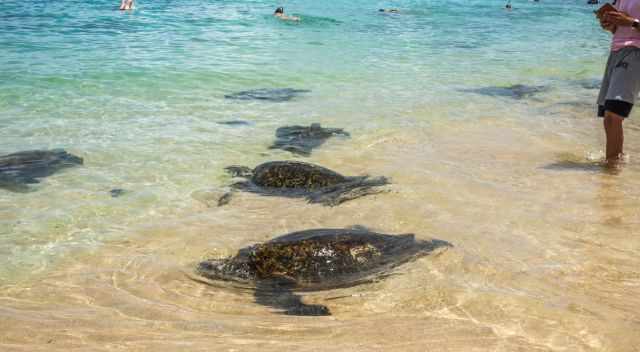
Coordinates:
302 140
235 123
589 83
268 94
516 91
297 179
117 192
17 170
312 260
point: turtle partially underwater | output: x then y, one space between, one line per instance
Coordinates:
312 260
302 140
303 180
267 94
20 169
516 91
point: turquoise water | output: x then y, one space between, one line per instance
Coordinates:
138 94
545 244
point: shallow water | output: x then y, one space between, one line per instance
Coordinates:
545 243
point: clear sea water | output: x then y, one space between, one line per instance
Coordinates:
546 250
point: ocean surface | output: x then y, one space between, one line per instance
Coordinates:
482 118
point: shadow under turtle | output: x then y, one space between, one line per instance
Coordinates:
301 140
297 179
20 169
314 260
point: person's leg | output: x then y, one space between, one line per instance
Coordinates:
617 98
123 4
615 136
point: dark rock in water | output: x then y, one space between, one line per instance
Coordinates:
516 91
302 140
267 94
235 123
311 260
303 180
17 170
117 192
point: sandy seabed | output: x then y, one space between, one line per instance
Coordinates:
545 256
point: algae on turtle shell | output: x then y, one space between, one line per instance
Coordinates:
304 180
318 259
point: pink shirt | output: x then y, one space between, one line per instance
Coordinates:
627 36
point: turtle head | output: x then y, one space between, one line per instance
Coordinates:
239 171
228 269
67 159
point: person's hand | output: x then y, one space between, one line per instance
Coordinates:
607 26
617 18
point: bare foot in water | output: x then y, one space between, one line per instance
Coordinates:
615 165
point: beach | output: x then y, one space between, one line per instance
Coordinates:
482 119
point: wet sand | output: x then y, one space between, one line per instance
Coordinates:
545 255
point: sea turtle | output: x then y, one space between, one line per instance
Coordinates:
19 169
267 94
589 83
516 91
311 260
235 123
298 179
302 140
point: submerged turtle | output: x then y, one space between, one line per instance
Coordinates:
17 170
298 179
267 94
311 260
302 140
516 91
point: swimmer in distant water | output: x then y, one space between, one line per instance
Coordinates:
389 10
280 14
508 6
126 5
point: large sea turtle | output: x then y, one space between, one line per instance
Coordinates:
19 169
312 260
302 140
267 94
298 179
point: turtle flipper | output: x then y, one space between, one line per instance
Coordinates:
308 310
18 184
239 171
277 293
358 187
225 199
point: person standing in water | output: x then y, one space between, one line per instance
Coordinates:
126 5
621 81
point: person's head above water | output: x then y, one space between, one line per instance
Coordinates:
280 14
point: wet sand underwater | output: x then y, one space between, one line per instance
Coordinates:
544 257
